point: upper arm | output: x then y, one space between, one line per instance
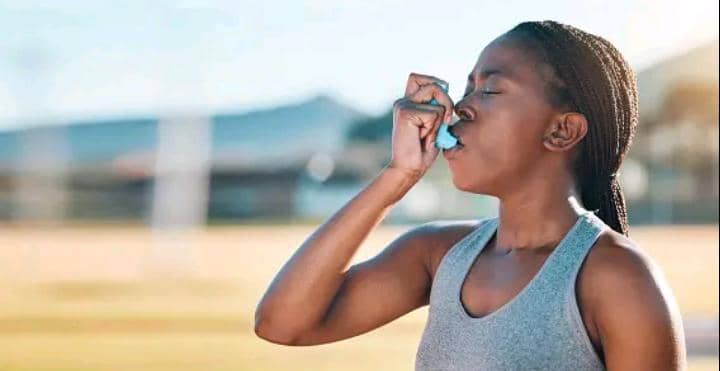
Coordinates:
637 316
378 290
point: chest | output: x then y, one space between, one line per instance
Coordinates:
492 282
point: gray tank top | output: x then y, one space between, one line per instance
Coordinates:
539 329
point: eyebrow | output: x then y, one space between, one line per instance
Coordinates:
489 72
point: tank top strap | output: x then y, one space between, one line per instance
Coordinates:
562 269
450 266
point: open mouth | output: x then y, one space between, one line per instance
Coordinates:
450 152
451 131
458 146
458 139
447 140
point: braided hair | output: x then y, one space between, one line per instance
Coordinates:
591 77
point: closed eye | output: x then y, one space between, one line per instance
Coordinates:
484 92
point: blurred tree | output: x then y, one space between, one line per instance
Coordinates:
373 129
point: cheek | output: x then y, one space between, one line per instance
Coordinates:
507 128
514 136
527 117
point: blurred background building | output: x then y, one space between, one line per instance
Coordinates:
303 161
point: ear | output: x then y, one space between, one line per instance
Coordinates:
565 131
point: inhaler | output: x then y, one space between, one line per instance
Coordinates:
444 139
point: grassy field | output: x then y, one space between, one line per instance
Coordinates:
122 298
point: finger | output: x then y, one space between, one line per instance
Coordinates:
430 150
433 133
430 123
427 114
432 128
430 141
432 137
416 80
426 93
426 117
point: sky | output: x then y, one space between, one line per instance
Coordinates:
88 59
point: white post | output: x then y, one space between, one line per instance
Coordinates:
38 181
39 191
180 191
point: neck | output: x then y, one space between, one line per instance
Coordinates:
533 224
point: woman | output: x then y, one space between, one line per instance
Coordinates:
548 115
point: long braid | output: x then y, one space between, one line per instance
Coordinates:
594 79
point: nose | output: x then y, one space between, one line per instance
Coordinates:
456 108
461 109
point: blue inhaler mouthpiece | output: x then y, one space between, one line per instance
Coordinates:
444 139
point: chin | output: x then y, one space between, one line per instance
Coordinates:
474 185
462 184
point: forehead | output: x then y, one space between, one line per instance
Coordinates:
509 60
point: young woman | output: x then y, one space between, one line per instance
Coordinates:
554 282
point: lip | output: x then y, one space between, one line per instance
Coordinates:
451 153
451 130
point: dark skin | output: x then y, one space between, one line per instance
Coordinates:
524 155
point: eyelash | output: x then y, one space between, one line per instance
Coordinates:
484 93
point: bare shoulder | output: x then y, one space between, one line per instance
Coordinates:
617 262
439 236
616 257
634 309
